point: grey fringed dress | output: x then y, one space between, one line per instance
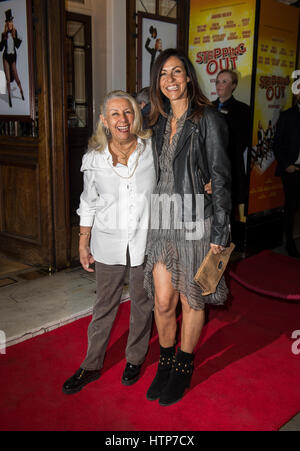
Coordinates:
168 245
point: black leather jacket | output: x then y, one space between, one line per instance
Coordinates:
200 156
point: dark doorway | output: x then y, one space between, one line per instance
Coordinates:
80 100
80 108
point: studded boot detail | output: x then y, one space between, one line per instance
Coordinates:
179 380
166 361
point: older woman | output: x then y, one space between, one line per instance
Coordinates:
119 178
189 142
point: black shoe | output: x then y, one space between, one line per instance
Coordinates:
180 379
9 101
79 380
166 360
131 374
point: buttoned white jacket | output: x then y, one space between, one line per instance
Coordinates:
115 202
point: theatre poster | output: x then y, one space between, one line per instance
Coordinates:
276 61
222 37
258 40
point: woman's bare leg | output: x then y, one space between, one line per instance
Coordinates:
166 300
192 324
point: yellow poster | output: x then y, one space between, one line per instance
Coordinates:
276 61
222 37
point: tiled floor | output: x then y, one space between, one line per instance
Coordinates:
33 302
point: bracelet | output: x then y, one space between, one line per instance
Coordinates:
84 233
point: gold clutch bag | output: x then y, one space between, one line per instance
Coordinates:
211 270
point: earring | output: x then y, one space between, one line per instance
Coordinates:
107 131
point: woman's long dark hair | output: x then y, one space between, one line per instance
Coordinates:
196 97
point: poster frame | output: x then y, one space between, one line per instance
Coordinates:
15 113
141 45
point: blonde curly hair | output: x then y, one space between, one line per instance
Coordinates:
99 140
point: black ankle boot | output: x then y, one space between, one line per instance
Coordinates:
179 379
166 360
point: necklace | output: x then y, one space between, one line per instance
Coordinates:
125 155
177 118
134 169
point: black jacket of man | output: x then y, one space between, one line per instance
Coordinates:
238 117
287 139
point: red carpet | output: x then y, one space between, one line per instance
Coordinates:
246 376
270 274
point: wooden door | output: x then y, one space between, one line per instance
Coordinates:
79 100
34 191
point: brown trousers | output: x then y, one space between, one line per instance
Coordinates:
110 283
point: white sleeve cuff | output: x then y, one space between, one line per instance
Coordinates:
86 221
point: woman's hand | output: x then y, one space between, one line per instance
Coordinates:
291 169
216 249
86 258
207 188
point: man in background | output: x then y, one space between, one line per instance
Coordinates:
238 116
143 99
287 153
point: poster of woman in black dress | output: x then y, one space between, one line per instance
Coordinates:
10 42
